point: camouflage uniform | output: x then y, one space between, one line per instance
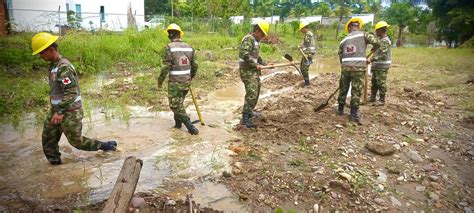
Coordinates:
248 60
179 62
65 99
309 50
352 50
380 64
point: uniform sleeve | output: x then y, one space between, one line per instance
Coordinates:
339 52
261 61
69 82
194 65
166 65
372 39
245 51
382 52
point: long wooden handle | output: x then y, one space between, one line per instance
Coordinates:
366 81
304 55
196 105
277 65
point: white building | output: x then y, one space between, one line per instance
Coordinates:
48 15
366 18
237 19
312 19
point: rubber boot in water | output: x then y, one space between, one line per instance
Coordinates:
246 121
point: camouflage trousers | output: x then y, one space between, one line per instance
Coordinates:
357 79
379 82
71 126
252 91
176 94
304 67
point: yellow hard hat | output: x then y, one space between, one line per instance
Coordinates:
41 41
381 24
354 20
176 27
264 26
303 24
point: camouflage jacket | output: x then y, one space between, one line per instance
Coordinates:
169 62
382 57
249 52
308 45
64 92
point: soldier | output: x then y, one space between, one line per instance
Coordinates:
381 61
308 49
65 115
179 61
249 65
352 50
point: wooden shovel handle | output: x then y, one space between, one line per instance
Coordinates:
278 65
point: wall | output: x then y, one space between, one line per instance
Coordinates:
42 15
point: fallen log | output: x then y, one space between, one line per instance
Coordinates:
124 187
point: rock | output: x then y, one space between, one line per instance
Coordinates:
346 176
333 195
414 156
380 201
236 171
435 185
394 170
420 188
170 202
463 204
238 165
467 209
379 187
395 202
339 184
243 197
433 196
434 178
261 197
428 168
226 174
407 89
380 148
419 140
316 208
439 103
339 126
381 177
401 178
137 202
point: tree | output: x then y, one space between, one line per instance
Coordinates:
298 10
323 9
400 14
154 7
455 20
343 9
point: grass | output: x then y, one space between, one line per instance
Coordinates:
24 77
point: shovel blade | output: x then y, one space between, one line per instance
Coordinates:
288 57
321 107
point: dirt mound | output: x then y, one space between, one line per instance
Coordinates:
297 158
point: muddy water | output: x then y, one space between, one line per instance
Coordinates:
169 155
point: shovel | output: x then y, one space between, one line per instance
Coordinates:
325 104
289 58
197 108
277 65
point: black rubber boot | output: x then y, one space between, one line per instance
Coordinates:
382 100
373 96
306 83
354 115
56 162
191 128
246 121
108 146
340 110
177 123
256 114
